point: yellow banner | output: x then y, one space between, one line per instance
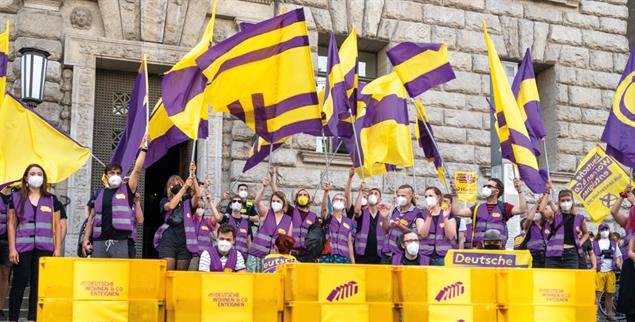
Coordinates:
466 185
92 311
597 183
342 285
101 280
227 299
488 258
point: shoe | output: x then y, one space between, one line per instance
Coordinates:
611 318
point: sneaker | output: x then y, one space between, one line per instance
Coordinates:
611 318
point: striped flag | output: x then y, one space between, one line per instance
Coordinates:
263 75
335 98
427 141
515 141
259 151
163 134
4 61
421 66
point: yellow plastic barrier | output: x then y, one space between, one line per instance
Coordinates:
241 297
87 289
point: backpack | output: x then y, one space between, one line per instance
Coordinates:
315 240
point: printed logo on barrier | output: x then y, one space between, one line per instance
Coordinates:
451 291
343 291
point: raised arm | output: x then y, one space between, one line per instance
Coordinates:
385 220
326 187
450 226
425 228
522 202
358 200
197 189
262 209
542 207
138 210
349 187
179 195
273 174
138 166
615 209
457 210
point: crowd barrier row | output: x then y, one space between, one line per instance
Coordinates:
75 289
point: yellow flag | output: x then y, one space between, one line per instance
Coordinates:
26 137
597 183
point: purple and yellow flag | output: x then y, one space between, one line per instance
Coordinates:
263 75
619 133
349 66
259 151
526 94
515 141
335 98
163 134
427 142
4 61
421 66
137 122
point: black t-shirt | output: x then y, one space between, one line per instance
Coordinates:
371 241
587 246
250 224
408 262
568 229
107 230
178 229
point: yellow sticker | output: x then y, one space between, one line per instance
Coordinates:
45 209
228 270
120 196
496 215
204 228
403 222
442 225
309 222
243 230
347 226
281 231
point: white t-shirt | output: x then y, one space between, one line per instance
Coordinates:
463 225
206 260
607 264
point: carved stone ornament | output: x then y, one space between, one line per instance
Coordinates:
81 18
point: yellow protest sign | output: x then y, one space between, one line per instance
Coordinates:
465 185
227 299
597 183
488 258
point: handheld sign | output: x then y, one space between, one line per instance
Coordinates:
466 185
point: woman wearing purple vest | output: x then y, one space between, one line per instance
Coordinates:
566 233
439 228
370 235
536 229
340 230
274 221
33 232
177 240
626 220
404 218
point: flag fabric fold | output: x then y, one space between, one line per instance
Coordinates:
163 134
263 76
515 142
259 151
421 66
26 137
335 102
619 132
427 142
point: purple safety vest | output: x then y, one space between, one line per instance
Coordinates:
486 220
242 233
34 230
468 237
267 233
301 227
361 238
191 238
397 260
133 232
338 235
203 234
408 219
436 242
215 263
537 239
3 216
122 214
598 257
555 243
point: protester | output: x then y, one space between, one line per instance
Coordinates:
224 257
274 221
439 228
204 226
30 231
176 239
446 205
111 218
409 255
281 254
493 240
5 266
138 220
241 222
609 259
625 220
567 232
493 214
588 260
405 217
626 298
248 207
536 229
350 207
370 235
340 230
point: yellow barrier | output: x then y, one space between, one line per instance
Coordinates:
196 296
86 289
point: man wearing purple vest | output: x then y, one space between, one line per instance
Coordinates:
626 220
609 259
111 218
493 214
224 257
370 236
404 218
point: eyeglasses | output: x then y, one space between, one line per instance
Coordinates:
408 241
490 186
237 201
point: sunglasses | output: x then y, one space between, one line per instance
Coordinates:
490 186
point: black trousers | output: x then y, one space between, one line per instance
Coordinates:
538 259
364 259
25 272
569 260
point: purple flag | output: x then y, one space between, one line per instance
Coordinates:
335 99
128 147
526 94
619 133
259 151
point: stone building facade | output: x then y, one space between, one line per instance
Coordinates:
579 48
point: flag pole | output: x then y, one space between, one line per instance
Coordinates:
544 145
359 154
147 103
270 157
328 162
326 155
97 159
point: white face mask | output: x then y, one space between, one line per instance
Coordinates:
486 192
604 234
114 181
200 211
35 181
338 205
224 246
537 217
372 200
431 201
401 201
243 194
364 202
566 205
236 206
412 249
276 206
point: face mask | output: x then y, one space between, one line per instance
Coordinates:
338 205
200 211
604 234
36 181
276 206
412 249
303 201
236 206
114 181
224 246
364 202
566 205
431 201
243 194
401 201
537 217
486 192
491 247
176 188
372 200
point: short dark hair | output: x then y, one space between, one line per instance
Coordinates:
449 196
112 166
375 189
242 185
499 185
227 228
406 186
400 238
